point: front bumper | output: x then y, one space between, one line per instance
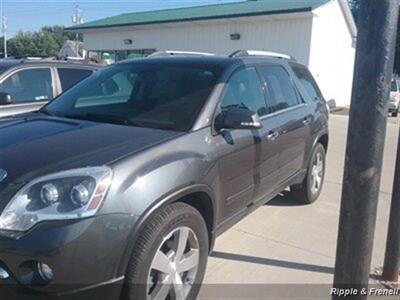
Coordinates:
85 256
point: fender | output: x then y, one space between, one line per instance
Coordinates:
168 199
324 131
307 157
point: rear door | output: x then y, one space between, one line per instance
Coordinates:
30 88
290 117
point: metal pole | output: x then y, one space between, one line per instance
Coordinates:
365 143
5 36
391 267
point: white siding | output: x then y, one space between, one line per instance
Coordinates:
332 53
321 40
292 36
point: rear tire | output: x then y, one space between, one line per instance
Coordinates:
172 246
395 113
310 189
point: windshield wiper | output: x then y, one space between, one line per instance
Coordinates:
103 118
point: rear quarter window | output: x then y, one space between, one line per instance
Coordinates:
307 81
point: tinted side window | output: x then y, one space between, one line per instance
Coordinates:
244 90
307 82
29 86
70 77
280 91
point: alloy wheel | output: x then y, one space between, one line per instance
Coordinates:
174 267
317 173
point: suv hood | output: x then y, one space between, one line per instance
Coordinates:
33 145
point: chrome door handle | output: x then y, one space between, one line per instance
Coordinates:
272 135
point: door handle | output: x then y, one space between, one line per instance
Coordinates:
307 121
272 135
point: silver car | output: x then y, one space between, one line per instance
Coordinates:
28 84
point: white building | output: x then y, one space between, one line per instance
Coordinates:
318 33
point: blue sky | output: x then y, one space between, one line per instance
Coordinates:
31 15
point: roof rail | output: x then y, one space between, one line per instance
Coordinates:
51 58
25 57
242 53
179 53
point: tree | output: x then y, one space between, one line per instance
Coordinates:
355 8
45 42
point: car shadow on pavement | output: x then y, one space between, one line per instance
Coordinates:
280 263
284 199
273 262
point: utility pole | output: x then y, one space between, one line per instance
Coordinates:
4 19
365 144
76 20
391 267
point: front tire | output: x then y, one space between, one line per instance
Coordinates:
170 256
395 113
309 191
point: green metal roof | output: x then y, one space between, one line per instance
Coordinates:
217 11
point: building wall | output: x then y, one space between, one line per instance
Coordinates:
321 40
332 53
292 36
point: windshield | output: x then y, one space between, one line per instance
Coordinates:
146 94
393 86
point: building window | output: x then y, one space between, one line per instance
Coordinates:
112 56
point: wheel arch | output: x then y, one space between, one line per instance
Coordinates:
324 140
198 196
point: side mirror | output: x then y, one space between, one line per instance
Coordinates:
5 98
331 104
237 118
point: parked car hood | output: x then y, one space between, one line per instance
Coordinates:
33 145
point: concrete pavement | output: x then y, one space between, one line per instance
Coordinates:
284 242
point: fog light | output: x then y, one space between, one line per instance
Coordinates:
49 193
45 272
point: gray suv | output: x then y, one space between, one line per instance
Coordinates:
27 84
118 188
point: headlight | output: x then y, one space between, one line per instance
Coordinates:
72 194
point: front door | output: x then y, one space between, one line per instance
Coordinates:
29 89
242 154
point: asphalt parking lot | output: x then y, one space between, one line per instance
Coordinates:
284 242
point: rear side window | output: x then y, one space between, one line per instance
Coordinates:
70 77
244 90
308 82
280 91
